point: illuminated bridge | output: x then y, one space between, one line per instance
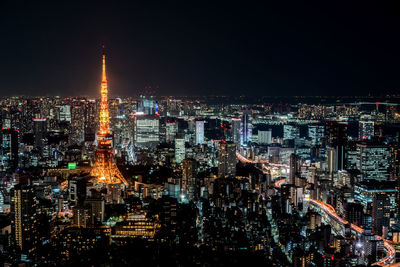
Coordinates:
339 223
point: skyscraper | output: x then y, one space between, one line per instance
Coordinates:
227 159
365 129
189 176
147 130
9 149
265 137
380 212
236 135
147 106
179 147
290 132
39 131
247 126
23 220
294 168
65 113
336 137
171 129
105 169
316 133
373 161
199 132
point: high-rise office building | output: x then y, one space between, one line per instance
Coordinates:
374 161
179 147
90 120
199 132
96 208
39 131
147 130
365 129
227 159
364 193
290 132
354 213
9 149
23 219
236 131
171 129
265 137
146 106
316 133
294 168
189 176
336 138
332 161
247 126
65 113
381 209
336 133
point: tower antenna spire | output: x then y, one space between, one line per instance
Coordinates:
105 169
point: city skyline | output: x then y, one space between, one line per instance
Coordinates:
208 133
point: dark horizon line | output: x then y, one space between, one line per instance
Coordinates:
206 95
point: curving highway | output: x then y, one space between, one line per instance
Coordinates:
390 250
246 160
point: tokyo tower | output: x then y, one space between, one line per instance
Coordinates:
105 169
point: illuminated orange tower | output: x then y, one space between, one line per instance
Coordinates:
105 169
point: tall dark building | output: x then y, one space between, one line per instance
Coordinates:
380 212
189 175
354 213
23 219
39 131
336 138
294 168
227 160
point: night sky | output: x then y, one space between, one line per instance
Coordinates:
200 47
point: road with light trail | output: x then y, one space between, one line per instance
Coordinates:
390 250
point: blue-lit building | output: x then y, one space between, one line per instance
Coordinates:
316 133
290 132
247 127
9 149
365 193
374 161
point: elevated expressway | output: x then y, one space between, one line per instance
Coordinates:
337 222
340 223
265 162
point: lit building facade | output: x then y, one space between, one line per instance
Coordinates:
290 132
374 161
265 137
199 132
147 130
365 130
316 133
236 131
179 148
247 127
227 159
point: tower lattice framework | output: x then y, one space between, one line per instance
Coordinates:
105 169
